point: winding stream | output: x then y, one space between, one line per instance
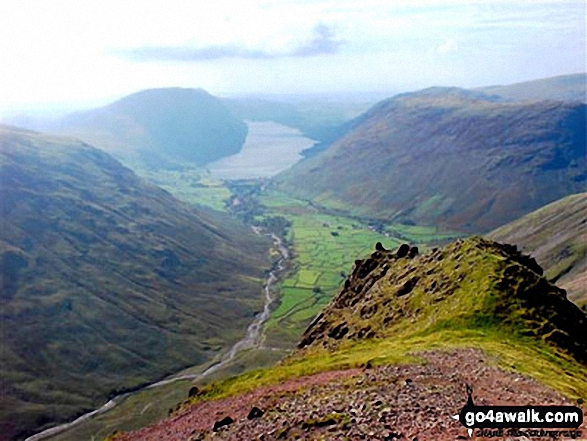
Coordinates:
252 339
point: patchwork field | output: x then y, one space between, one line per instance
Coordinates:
324 248
191 185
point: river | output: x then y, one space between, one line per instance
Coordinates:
268 149
253 338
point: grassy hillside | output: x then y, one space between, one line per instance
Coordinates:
449 157
107 282
160 126
473 284
556 235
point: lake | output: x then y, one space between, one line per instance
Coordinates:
269 149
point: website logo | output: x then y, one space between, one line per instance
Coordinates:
519 417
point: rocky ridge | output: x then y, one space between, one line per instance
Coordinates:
470 283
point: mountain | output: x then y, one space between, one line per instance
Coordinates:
161 125
449 157
393 353
562 88
108 282
556 235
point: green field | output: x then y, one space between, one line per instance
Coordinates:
324 247
191 185
324 244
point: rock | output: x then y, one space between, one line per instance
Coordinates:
407 287
403 250
413 252
226 421
194 391
255 413
339 331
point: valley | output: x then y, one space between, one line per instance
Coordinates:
320 300
293 220
94 424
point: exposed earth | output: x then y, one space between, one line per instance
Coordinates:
393 402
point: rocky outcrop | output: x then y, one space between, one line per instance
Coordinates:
365 274
472 283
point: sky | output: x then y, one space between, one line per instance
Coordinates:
70 53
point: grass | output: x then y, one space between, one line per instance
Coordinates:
192 185
524 355
149 405
324 246
477 313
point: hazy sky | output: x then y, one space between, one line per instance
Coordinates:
76 52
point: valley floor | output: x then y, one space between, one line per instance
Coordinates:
403 402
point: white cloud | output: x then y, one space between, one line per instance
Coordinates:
450 46
62 50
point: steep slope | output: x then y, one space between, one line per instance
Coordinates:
107 282
449 157
157 125
561 88
556 235
390 356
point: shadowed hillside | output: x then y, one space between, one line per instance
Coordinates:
449 157
107 282
556 235
158 125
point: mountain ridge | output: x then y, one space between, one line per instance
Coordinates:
450 158
474 312
161 127
511 290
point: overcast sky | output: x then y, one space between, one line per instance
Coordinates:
71 52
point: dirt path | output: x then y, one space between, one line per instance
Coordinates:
403 402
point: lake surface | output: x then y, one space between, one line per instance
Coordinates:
269 149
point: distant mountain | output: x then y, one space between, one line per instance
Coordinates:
107 282
556 235
562 88
160 125
450 157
